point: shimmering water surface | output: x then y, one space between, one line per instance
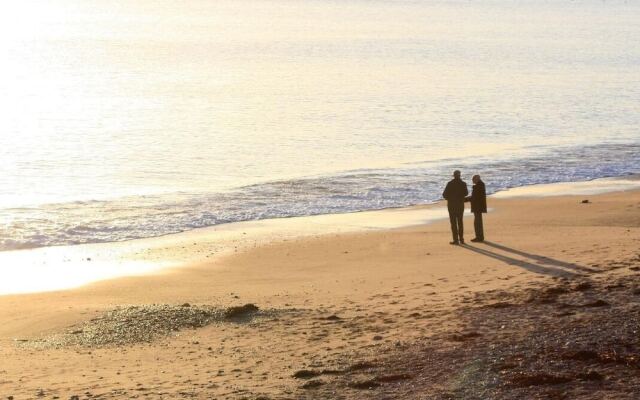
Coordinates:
125 119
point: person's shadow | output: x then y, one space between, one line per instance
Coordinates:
536 263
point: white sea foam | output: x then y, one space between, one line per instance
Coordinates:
132 218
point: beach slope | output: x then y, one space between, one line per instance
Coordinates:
547 308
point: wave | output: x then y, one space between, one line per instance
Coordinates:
368 189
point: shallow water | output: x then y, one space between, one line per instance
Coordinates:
124 120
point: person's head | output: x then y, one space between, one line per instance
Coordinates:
476 178
456 174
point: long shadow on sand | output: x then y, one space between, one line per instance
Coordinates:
542 259
539 264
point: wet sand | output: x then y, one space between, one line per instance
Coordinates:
546 309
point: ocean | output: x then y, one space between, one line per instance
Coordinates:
124 120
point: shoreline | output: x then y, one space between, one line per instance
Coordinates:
327 302
95 262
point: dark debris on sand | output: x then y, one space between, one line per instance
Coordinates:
143 324
566 341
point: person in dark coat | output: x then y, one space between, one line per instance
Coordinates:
478 201
455 192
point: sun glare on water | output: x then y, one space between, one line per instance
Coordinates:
43 96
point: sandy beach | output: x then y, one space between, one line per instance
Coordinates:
244 200
547 308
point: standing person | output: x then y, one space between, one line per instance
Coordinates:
478 201
455 192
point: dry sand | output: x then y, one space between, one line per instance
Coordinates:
547 309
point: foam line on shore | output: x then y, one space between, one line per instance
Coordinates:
66 267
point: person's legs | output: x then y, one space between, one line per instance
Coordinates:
454 225
477 225
460 226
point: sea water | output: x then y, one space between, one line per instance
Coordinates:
129 119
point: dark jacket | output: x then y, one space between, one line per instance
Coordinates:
455 193
478 198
